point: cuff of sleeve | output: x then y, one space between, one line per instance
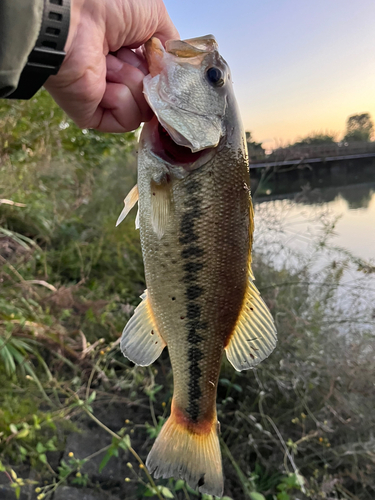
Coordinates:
48 54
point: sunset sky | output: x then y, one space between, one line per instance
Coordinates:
298 66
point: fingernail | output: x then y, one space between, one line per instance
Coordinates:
113 63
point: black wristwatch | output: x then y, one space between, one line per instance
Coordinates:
48 54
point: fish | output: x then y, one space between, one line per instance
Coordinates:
196 223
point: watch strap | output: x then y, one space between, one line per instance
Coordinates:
48 54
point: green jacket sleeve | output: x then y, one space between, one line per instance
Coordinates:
20 22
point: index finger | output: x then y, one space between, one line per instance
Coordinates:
166 30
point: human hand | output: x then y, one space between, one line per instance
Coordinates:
100 83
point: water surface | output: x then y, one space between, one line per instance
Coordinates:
302 217
322 222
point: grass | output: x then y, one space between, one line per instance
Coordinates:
299 426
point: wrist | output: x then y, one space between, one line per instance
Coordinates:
76 9
48 53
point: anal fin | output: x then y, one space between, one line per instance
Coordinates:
254 336
141 342
129 202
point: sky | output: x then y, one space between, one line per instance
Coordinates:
298 66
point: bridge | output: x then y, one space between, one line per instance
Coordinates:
306 155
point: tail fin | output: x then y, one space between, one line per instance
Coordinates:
190 452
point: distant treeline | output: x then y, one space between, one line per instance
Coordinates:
359 128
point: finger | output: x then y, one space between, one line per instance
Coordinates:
160 26
118 110
166 30
81 98
135 59
126 74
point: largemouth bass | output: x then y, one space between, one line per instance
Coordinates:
196 226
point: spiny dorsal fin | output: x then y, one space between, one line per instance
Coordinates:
160 207
141 342
254 337
129 203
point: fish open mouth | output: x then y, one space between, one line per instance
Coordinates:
163 146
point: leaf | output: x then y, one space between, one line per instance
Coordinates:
17 491
40 448
165 491
193 492
50 445
43 458
125 442
237 387
225 382
150 492
13 429
104 461
23 451
22 434
254 495
179 484
92 397
283 495
152 431
64 470
151 392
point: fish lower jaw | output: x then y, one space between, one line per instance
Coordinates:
162 146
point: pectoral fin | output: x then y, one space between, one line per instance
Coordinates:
141 342
129 203
254 337
160 207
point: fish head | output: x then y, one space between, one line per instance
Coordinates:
187 88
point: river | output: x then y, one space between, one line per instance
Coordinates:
303 217
323 215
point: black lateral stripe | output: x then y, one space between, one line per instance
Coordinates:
192 186
193 292
192 267
193 337
194 356
191 253
193 311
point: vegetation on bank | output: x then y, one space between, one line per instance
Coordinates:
359 129
299 426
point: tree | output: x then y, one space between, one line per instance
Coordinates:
315 139
255 150
359 128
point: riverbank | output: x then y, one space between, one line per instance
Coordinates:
77 419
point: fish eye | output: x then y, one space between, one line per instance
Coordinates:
215 76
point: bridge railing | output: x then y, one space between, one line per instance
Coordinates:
322 151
